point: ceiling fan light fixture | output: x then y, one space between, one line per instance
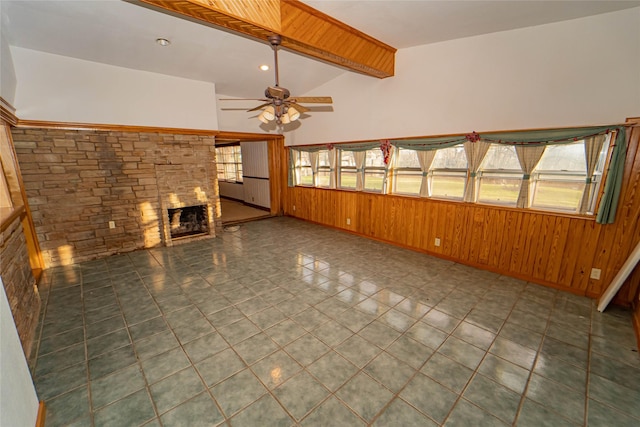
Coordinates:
262 118
285 119
269 113
293 114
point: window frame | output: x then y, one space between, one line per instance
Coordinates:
229 163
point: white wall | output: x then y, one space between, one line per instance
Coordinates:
58 88
18 399
580 72
231 189
255 171
7 72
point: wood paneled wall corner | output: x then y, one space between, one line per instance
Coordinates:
554 250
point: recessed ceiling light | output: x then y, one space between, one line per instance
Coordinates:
163 42
264 67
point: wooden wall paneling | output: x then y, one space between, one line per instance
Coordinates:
587 249
572 251
449 233
474 229
557 250
508 237
436 224
443 222
421 229
497 240
627 236
615 238
545 238
277 181
519 244
458 233
530 244
486 240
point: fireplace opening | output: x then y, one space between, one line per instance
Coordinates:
188 221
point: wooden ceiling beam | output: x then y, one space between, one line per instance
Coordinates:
303 29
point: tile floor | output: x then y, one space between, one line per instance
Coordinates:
287 323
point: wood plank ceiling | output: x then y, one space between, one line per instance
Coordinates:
303 29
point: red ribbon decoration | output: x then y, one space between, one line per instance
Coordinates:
472 137
385 146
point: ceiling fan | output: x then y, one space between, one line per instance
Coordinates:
278 103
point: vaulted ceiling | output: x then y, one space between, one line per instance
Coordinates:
362 37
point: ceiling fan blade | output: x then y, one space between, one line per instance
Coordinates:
312 99
243 99
298 107
260 107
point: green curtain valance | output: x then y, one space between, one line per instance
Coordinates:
309 148
427 144
549 137
359 146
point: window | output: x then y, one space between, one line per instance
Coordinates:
407 175
304 173
347 177
324 169
229 163
374 170
559 177
500 176
449 173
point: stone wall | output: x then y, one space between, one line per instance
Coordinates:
77 181
19 282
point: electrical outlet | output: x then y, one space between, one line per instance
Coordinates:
294 208
595 273
348 221
437 242
112 224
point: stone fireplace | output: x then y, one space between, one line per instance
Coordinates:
188 203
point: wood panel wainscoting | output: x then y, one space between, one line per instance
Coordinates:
552 249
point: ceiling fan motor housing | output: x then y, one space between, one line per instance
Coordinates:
276 92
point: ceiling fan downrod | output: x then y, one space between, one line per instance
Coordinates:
275 41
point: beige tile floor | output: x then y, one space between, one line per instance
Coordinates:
287 323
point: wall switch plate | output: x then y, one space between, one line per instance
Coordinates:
112 224
595 273
437 242
348 221
294 208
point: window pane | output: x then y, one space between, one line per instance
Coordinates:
448 184
564 157
348 178
323 158
347 159
408 182
450 158
304 159
374 158
373 179
499 188
501 157
407 159
323 178
558 191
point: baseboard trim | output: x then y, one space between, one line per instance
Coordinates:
42 414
